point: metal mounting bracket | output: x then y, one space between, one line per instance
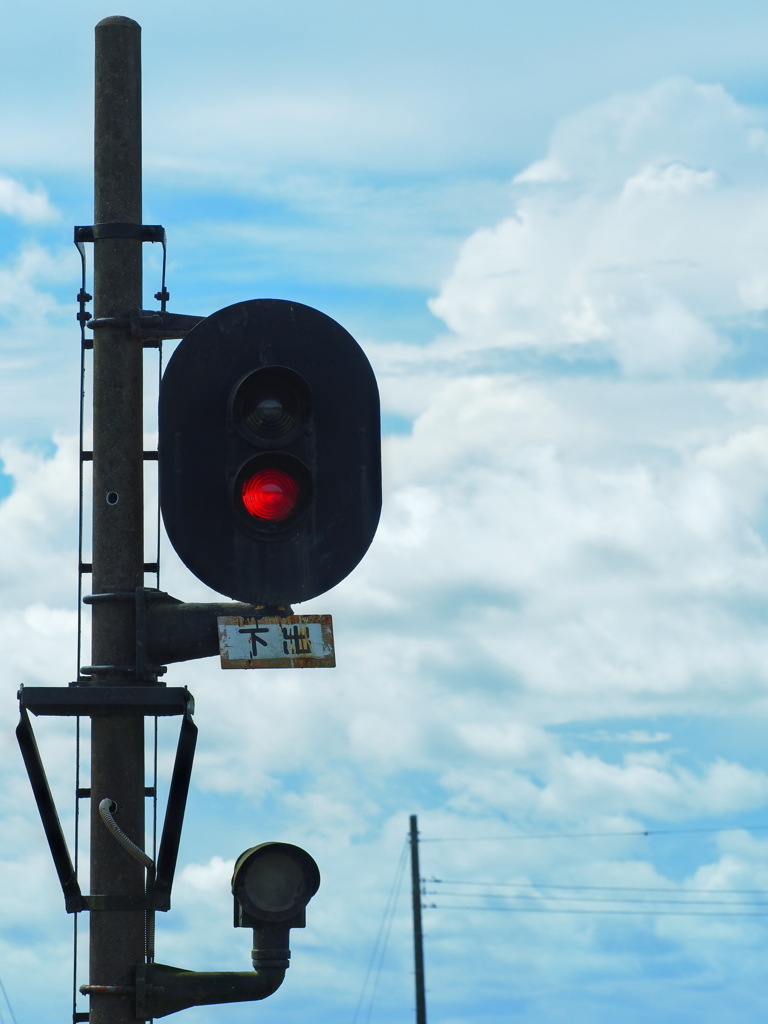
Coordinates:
79 700
151 326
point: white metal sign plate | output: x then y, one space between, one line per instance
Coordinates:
297 641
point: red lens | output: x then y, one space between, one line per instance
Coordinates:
270 494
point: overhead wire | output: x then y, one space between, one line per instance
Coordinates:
593 835
599 888
541 897
8 1002
382 939
572 910
656 901
596 899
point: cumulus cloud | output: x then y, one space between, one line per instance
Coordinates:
38 343
38 523
641 232
30 207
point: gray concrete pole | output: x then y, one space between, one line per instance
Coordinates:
117 744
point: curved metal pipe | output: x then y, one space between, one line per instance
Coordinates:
161 989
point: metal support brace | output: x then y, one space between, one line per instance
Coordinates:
97 701
174 814
73 897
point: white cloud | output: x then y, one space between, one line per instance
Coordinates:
541 172
38 524
29 207
639 233
214 876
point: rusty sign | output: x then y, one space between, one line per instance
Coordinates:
297 641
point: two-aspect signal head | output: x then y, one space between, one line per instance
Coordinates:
271 408
270 462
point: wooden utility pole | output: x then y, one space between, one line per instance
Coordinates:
117 942
418 941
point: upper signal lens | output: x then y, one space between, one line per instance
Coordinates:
271 406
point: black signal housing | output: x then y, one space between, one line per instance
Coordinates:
277 396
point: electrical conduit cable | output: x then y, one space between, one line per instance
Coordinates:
106 809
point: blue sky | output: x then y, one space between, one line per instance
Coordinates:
548 228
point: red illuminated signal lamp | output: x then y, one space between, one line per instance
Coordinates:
271 494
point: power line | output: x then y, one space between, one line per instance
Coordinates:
594 899
382 939
565 910
8 1002
643 833
598 896
598 888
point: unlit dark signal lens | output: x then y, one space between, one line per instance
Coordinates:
271 494
275 882
272 405
271 416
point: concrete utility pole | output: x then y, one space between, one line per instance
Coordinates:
418 942
117 942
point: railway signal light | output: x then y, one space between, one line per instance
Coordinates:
270 465
273 882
